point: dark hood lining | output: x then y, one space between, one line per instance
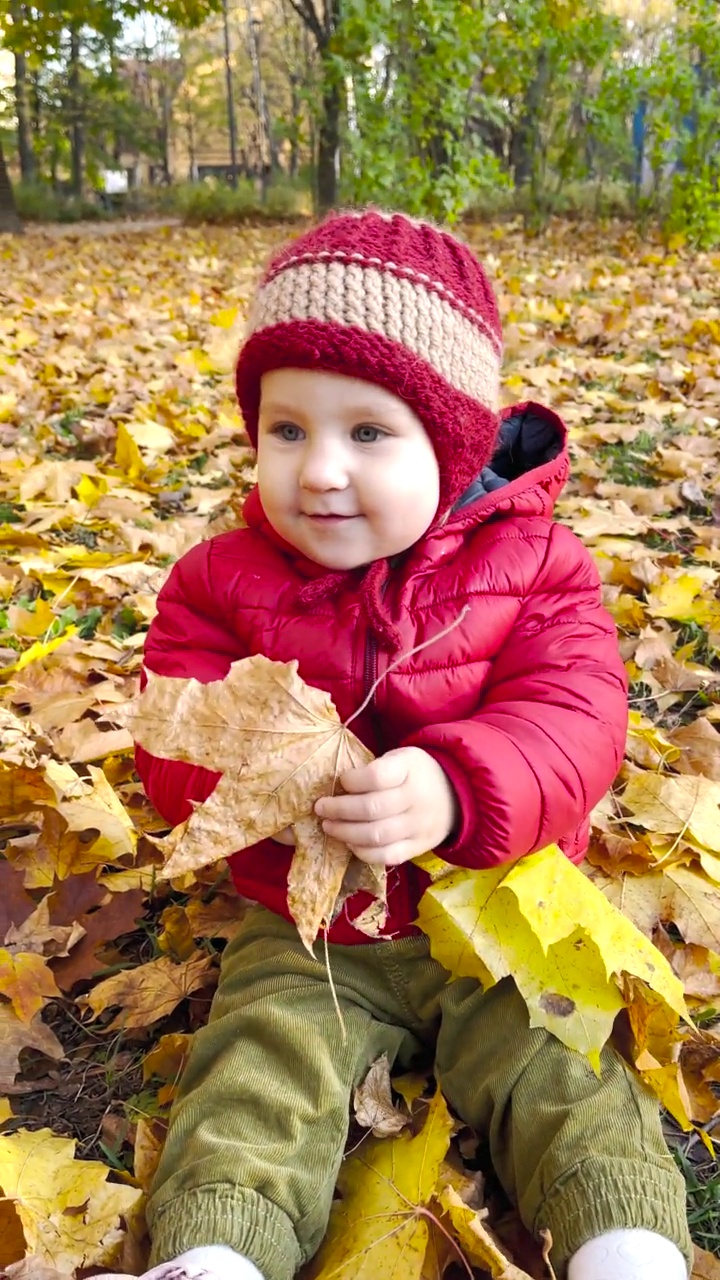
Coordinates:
526 441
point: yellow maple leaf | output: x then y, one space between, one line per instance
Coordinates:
91 804
647 745
479 1244
66 807
90 491
542 922
176 938
40 649
675 597
31 622
26 982
150 436
127 455
70 1215
689 804
168 1057
682 895
380 1227
149 1140
279 745
225 319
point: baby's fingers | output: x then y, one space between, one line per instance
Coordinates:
367 807
380 775
390 855
369 835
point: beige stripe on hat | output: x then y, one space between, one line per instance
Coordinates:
401 309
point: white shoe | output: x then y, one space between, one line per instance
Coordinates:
629 1254
217 1262
209 1262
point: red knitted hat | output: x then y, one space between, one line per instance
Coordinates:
393 301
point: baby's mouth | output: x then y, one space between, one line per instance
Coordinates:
326 517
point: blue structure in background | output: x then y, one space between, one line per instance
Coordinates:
638 138
639 129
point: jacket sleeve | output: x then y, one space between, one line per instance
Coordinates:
548 737
187 637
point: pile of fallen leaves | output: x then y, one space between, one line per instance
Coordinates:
120 447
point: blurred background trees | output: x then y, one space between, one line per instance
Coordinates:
222 108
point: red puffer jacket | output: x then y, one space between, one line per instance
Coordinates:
523 703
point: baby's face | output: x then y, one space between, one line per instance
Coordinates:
346 471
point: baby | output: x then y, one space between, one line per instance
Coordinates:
395 504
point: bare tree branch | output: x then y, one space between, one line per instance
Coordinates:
306 11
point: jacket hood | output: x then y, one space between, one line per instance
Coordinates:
531 439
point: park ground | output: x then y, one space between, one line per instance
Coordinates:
120 446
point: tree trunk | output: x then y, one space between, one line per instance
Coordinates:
36 121
26 155
28 168
294 136
229 95
165 131
526 134
322 29
9 220
77 140
328 160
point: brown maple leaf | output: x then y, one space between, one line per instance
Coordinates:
280 746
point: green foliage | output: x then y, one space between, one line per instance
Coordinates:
38 202
216 202
446 108
682 90
413 66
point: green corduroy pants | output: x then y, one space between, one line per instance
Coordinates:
259 1126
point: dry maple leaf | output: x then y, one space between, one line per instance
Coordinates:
280 746
38 935
478 1242
372 1100
316 876
149 1141
149 992
70 1214
108 916
26 982
15 1036
705 1266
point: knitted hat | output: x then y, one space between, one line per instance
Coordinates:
396 302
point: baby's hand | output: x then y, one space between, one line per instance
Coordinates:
397 807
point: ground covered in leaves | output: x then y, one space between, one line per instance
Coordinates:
120 447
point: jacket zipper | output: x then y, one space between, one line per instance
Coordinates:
370 673
371 665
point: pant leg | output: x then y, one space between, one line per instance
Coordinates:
259 1127
576 1154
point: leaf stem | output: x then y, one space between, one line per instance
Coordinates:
418 647
422 1212
333 992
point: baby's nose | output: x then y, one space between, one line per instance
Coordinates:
323 469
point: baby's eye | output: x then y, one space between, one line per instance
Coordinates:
287 431
365 434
